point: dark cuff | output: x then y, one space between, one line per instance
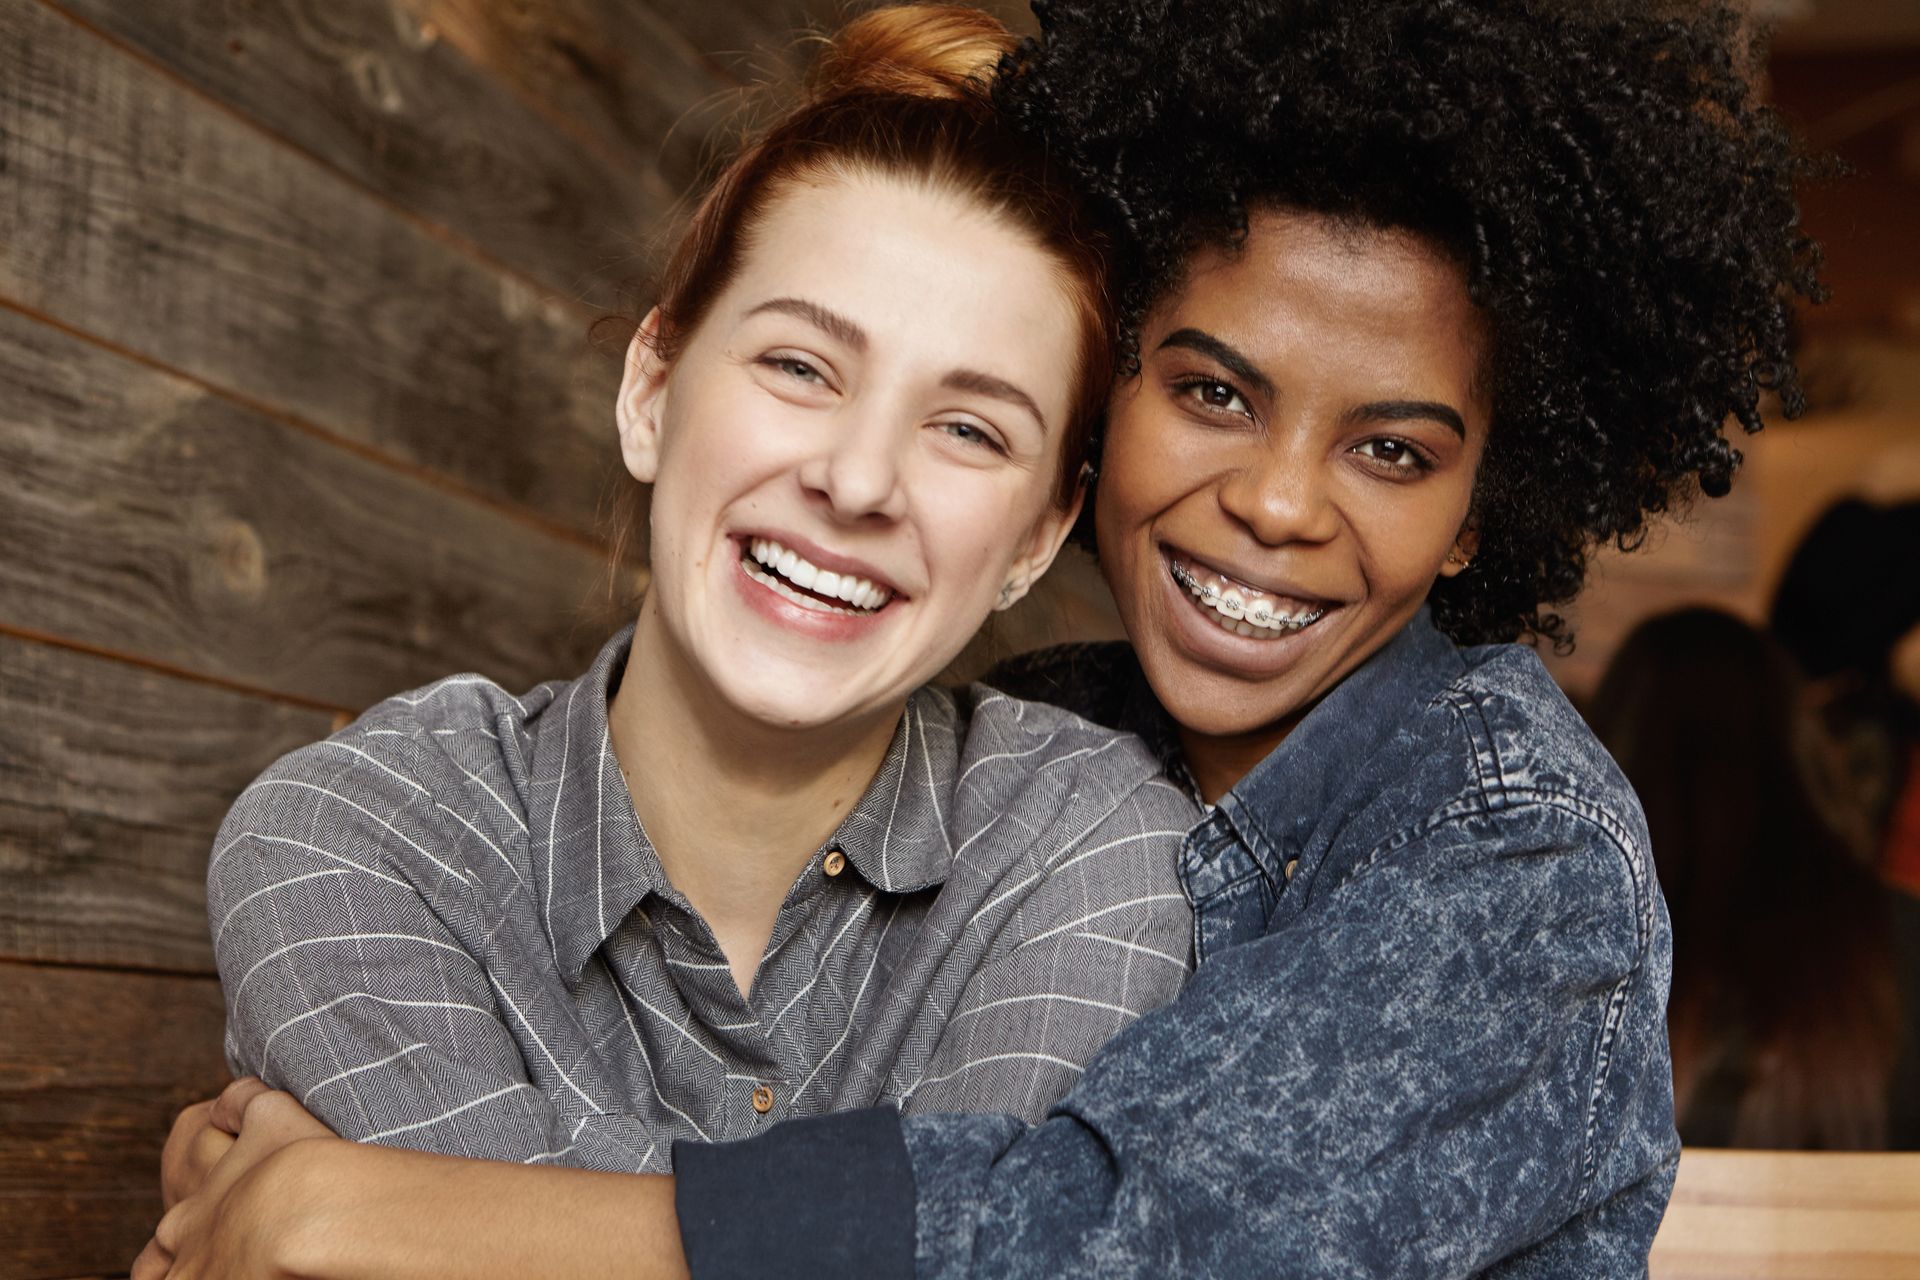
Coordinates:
827 1196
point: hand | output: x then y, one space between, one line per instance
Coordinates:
193 1148
217 1222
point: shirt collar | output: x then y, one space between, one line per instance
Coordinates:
1277 804
593 863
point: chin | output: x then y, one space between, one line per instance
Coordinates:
1215 705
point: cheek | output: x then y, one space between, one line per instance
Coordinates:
1404 539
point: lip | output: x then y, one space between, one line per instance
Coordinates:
1251 581
822 558
1214 646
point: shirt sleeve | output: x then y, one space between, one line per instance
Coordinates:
334 896
1432 1070
1102 934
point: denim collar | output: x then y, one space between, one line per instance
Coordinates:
594 864
1277 805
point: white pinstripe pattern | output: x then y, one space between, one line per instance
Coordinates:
1006 868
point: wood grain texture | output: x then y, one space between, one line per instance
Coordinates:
93 1068
136 210
622 80
113 780
1772 1215
369 88
144 515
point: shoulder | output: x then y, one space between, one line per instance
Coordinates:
1503 764
1009 745
392 782
1061 808
1529 743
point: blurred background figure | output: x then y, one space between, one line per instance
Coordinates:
1792 1026
1848 609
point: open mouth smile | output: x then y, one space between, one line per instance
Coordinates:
793 577
1242 609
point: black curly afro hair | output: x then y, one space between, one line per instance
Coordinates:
1622 204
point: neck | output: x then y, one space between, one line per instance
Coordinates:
1217 761
733 807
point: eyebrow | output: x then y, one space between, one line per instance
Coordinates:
986 384
1231 360
1412 411
837 325
830 322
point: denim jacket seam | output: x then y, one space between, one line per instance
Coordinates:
1221 891
1469 711
1600 819
1603 820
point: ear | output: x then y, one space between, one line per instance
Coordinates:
1049 535
1461 554
643 394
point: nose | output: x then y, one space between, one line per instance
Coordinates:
1281 495
857 471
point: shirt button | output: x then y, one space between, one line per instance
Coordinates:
763 1099
1291 864
834 863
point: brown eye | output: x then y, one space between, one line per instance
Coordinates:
1393 455
1215 395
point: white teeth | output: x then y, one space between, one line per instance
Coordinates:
1233 612
864 596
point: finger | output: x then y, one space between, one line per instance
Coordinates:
192 1149
166 1236
282 1116
152 1264
230 1108
189 1169
187 1128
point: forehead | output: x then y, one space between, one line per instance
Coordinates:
927 272
1385 304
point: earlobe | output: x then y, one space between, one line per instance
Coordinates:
637 411
1049 535
1461 554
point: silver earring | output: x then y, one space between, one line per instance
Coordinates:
1006 595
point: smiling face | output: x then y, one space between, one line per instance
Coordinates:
853 453
1289 473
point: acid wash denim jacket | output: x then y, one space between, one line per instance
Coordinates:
1426 1037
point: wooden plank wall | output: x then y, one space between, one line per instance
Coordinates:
296 410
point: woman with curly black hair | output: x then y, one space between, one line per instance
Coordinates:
1428 300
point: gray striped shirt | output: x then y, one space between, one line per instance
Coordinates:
444 928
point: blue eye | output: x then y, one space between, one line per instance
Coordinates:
968 433
795 368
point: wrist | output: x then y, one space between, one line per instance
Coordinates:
301 1201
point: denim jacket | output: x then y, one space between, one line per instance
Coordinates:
1426 1038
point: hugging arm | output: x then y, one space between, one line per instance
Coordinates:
1409 1084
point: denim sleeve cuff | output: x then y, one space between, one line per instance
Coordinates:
826 1196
